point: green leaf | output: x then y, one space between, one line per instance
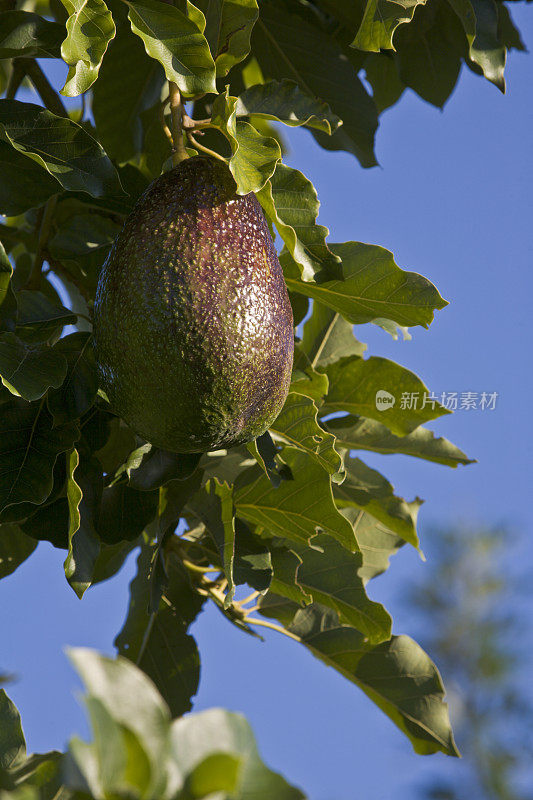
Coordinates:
397 675
27 34
159 643
118 104
12 742
253 562
78 392
59 146
331 77
372 286
228 25
376 541
366 489
382 75
290 202
8 303
157 467
124 513
29 446
254 156
23 184
39 316
327 337
29 371
298 508
297 425
217 773
284 101
83 492
198 736
480 22
214 506
360 433
330 575
380 20
15 548
174 40
265 451
90 28
132 700
382 390
309 382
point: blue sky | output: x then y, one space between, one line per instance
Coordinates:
452 200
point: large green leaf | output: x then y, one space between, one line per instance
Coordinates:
360 433
382 75
284 101
298 508
78 391
23 184
174 40
480 21
228 25
366 489
38 317
125 512
376 541
12 742
83 493
308 381
158 642
282 53
149 467
397 675
253 562
29 446
372 286
254 156
380 20
27 34
197 736
60 146
117 104
290 202
330 575
382 390
327 337
28 371
213 505
297 425
8 303
90 28
15 548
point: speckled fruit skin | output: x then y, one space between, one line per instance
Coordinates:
192 321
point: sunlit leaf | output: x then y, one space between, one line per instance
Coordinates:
286 102
228 24
380 20
12 742
83 494
480 21
90 28
327 337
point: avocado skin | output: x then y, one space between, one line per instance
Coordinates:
193 326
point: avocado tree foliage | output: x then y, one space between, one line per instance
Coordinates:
295 516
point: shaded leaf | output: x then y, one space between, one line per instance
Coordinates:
397 675
157 467
23 184
332 78
327 337
15 548
380 20
124 513
382 75
365 488
254 156
59 146
366 386
39 316
360 433
286 102
12 742
8 303
297 425
372 286
480 22
253 562
228 25
290 201
197 736
265 451
27 34
297 508
376 541
78 391
84 485
29 446
174 40
29 371
90 28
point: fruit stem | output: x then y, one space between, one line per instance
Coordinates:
203 149
176 112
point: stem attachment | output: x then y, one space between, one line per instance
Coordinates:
176 113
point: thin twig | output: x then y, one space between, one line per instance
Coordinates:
15 79
34 281
46 91
176 111
203 148
166 129
249 598
264 624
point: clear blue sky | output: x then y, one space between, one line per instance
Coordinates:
452 200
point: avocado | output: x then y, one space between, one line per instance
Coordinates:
193 327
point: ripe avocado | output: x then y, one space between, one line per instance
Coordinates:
192 321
